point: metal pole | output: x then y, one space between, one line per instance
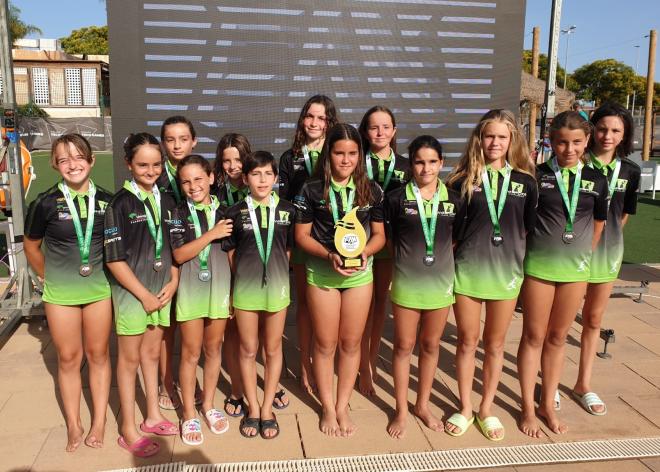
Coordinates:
568 41
16 205
648 112
535 73
550 81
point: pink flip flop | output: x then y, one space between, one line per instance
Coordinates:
140 448
164 428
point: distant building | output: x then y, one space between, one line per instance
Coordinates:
64 85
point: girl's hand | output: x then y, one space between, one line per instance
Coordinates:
167 292
336 261
222 229
150 303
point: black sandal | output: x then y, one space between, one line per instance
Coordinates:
236 403
278 396
250 423
270 424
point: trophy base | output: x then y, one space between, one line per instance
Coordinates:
352 262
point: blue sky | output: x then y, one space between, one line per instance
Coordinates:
605 28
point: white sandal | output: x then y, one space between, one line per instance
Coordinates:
588 401
192 426
212 417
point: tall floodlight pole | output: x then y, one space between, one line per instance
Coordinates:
15 203
550 80
568 31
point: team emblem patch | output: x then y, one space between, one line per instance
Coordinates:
587 185
621 185
284 217
448 207
517 187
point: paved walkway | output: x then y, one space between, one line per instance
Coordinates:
33 436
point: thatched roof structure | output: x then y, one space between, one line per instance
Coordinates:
533 90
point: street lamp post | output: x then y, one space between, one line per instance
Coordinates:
567 32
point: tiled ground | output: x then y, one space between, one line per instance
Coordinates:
32 433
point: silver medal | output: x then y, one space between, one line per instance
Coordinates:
428 260
497 240
158 265
85 270
204 275
568 237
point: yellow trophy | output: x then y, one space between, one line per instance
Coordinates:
350 239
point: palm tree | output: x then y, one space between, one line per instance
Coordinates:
17 28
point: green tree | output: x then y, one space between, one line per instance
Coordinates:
543 69
18 29
89 40
605 79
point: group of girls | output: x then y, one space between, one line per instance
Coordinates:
209 249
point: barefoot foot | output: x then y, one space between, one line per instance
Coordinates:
429 419
95 437
552 420
397 427
529 425
365 383
74 437
346 426
328 424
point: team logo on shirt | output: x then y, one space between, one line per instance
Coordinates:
284 218
583 265
621 185
399 175
448 209
587 185
513 284
547 185
517 190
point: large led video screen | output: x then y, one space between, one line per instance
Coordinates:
248 66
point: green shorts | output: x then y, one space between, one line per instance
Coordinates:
321 274
131 319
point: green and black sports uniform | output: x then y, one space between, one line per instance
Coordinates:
50 219
128 238
415 284
168 182
257 287
548 256
484 269
622 187
294 171
312 208
391 174
229 195
197 298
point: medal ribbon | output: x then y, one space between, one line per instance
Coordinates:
209 212
173 184
309 162
230 195
572 205
84 240
155 230
346 203
381 167
427 228
615 173
263 254
495 216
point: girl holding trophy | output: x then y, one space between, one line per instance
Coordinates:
340 226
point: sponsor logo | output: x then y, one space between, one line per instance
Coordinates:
547 185
284 218
587 185
513 284
111 240
284 292
134 218
517 190
583 265
64 216
410 211
113 230
621 185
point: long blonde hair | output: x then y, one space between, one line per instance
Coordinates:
472 162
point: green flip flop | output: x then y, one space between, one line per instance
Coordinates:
488 425
459 421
